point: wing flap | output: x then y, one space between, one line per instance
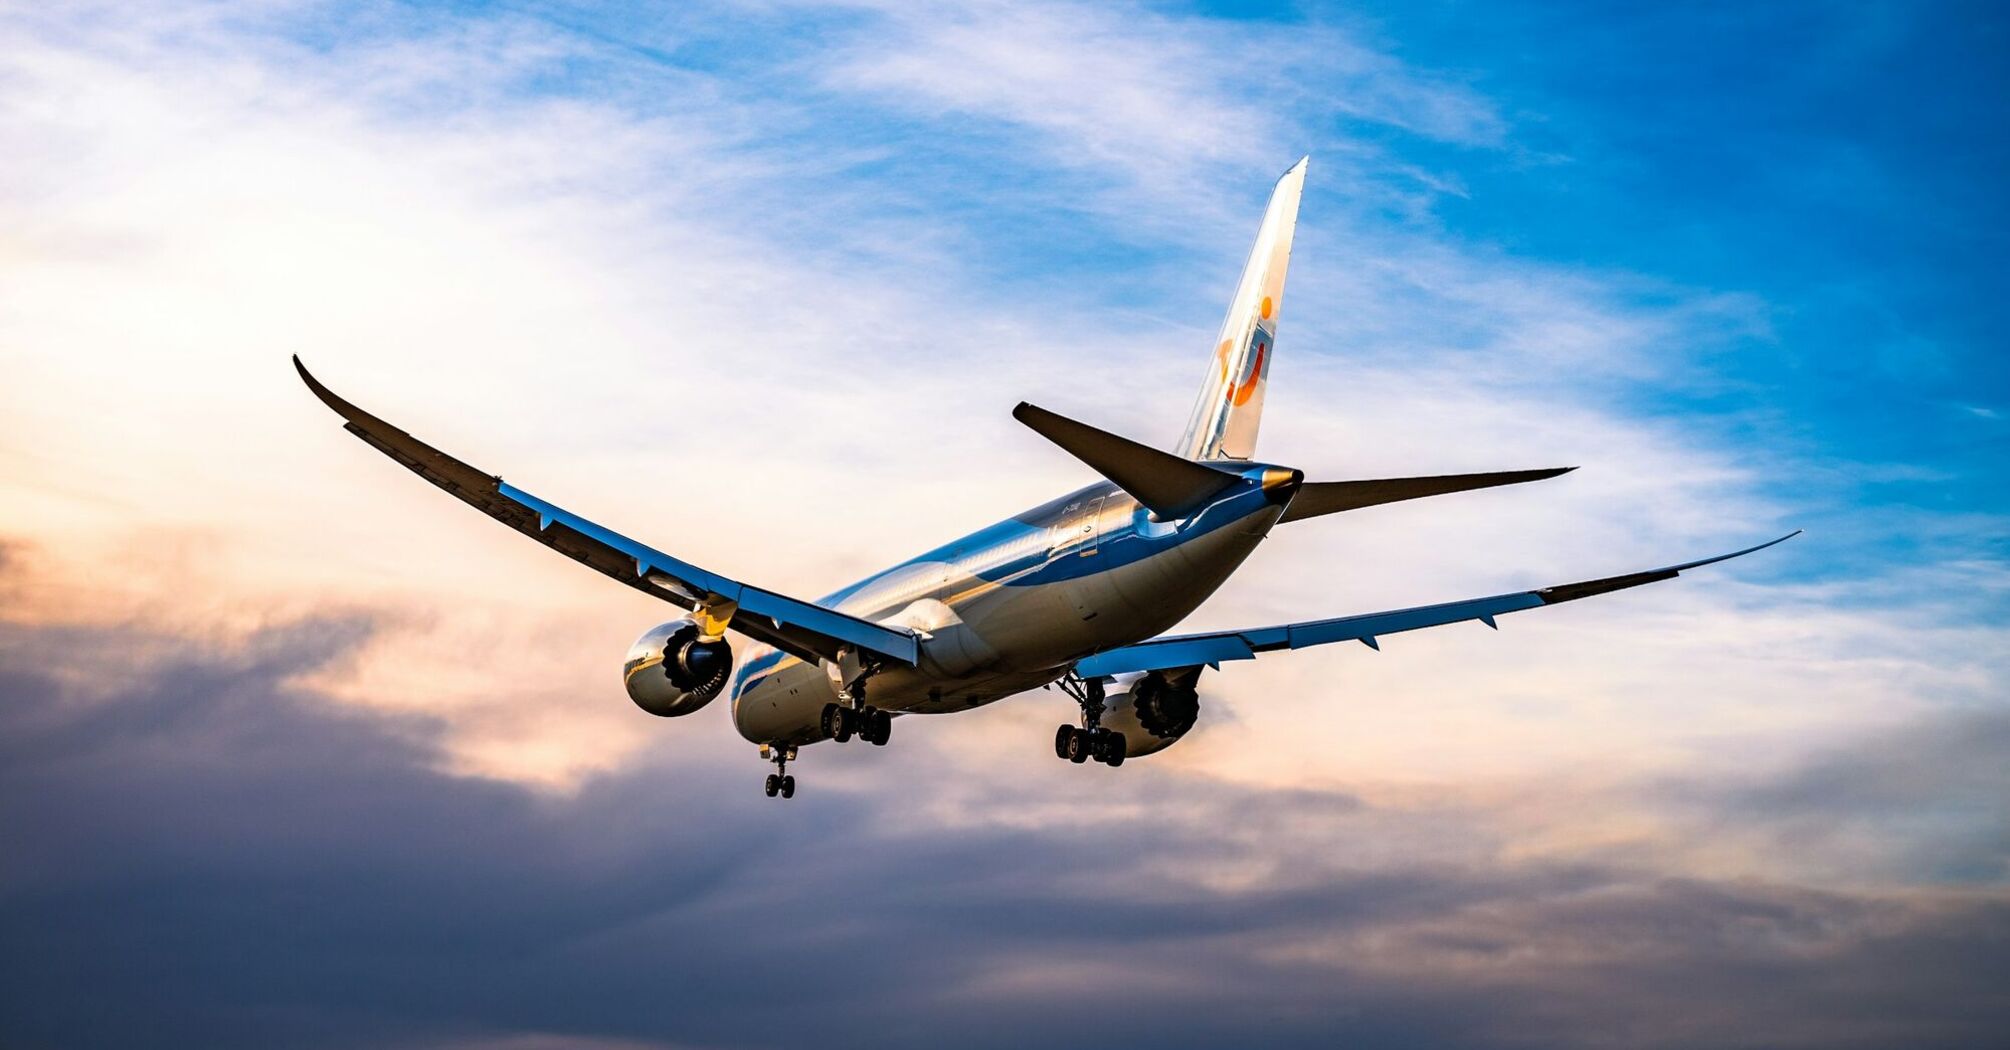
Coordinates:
800 628
1214 647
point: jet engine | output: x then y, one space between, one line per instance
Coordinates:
1153 710
672 671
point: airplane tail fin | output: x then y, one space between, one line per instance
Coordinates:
1225 416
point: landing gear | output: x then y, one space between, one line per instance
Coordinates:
780 782
851 716
838 722
869 724
1115 747
1078 744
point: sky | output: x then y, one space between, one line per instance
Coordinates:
296 751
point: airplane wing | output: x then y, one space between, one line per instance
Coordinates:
1211 648
806 630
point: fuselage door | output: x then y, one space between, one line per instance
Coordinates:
1075 534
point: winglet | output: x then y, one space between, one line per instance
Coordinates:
1570 592
355 416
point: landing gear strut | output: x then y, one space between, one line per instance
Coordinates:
1090 740
780 782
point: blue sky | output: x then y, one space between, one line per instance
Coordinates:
305 755
1832 164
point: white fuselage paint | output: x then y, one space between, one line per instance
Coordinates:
990 631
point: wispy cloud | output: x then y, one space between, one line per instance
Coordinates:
711 275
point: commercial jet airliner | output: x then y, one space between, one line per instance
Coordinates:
1074 592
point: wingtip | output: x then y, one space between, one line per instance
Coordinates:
307 377
328 397
1020 410
1735 554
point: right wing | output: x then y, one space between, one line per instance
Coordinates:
1192 650
809 631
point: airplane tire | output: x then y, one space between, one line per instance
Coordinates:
773 785
789 786
1078 747
1115 749
1061 740
882 728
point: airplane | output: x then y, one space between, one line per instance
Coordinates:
1076 592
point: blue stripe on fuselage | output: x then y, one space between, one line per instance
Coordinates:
1003 552
1006 552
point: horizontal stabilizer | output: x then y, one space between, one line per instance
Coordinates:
1328 497
1171 487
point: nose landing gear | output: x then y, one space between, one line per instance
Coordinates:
1078 744
780 782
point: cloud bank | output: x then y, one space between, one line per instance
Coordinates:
221 857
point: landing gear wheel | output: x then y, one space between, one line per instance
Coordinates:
1079 746
839 722
1099 744
881 724
1061 736
1114 749
829 721
779 782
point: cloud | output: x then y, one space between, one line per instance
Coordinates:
251 864
635 302
321 758
654 304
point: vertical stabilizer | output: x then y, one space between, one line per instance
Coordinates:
1225 417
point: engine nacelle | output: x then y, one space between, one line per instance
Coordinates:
671 672
1153 710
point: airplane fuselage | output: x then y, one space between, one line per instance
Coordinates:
1011 607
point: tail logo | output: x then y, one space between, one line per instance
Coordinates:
1243 391
1237 390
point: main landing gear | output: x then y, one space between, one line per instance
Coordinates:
1090 740
780 782
868 723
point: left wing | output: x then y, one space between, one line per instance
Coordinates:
1192 650
811 632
